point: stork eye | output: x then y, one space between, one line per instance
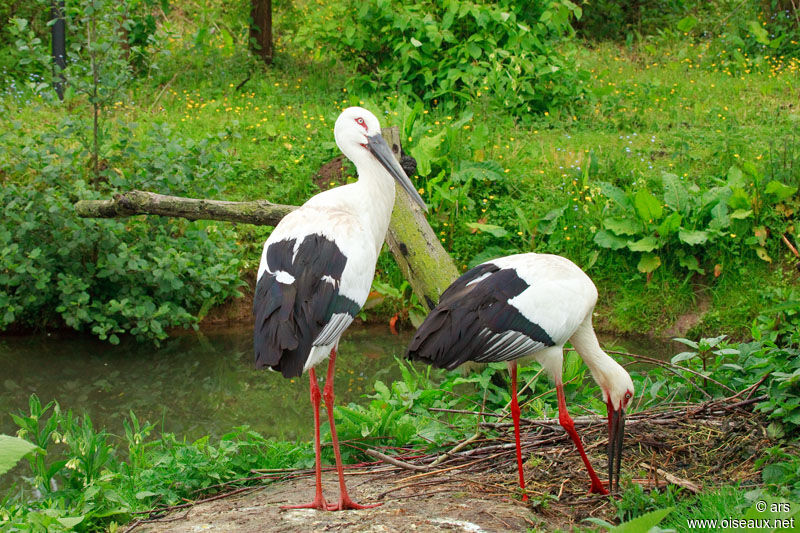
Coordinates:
360 122
628 395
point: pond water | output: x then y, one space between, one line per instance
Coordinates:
197 383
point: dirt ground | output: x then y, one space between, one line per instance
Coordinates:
475 489
450 506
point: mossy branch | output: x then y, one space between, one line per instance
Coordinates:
258 212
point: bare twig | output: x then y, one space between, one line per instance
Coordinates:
395 462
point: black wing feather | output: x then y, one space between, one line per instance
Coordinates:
475 322
289 316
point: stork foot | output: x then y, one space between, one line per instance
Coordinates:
319 503
347 503
597 488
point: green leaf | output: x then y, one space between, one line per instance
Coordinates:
474 50
675 194
426 151
642 523
735 177
605 239
645 244
648 263
616 194
692 237
416 43
779 190
647 206
683 356
141 495
622 226
12 449
686 24
70 521
670 225
690 262
548 223
762 254
757 30
492 229
739 199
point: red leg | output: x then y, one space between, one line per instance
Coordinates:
567 423
318 502
344 499
512 366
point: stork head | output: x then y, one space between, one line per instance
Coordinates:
617 393
358 136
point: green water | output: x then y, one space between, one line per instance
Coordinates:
199 383
193 385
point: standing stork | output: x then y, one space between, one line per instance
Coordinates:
527 306
317 268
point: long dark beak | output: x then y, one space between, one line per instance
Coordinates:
616 432
377 145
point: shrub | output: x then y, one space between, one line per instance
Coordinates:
445 51
108 277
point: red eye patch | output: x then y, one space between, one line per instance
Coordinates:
360 122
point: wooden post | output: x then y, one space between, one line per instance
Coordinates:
424 262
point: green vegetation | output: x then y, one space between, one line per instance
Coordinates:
659 150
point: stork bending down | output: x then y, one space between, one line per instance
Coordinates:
527 306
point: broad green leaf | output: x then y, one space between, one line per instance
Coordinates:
548 223
12 449
779 191
762 254
474 50
675 194
735 177
416 42
758 31
690 262
686 24
605 239
642 523
645 244
492 229
142 494
623 226
670 225
426 151
648 263
616 194
687 342
692 237
683 356
70 521
741 214
647 206
739 199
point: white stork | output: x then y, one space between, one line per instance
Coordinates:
317 268
527 306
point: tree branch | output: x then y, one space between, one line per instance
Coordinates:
258 212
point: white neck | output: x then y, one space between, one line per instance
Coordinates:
602 366
375 197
